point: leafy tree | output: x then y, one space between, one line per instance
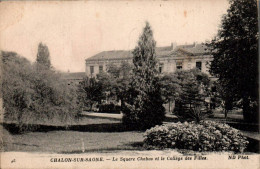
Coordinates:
235 52
123 82
113 69
194 89
34 95
116 81
125 69
144 106
43 56
223 97
110 86
170 88
90 92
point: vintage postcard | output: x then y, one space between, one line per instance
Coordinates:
129 84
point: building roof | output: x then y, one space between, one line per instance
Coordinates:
197 49
114 54
160 51
73 75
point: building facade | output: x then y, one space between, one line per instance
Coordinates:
170 59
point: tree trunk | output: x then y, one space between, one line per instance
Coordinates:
122 104
226 112
246 109
91 105
170 106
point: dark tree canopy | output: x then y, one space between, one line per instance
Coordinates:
144 107
110 86
235 52
170 88
90 92
43 56
194 89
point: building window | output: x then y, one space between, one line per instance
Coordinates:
160 67
91 69
100 68
179 65
189 66
198 65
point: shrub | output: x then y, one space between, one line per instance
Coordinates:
202 136
197 114
194 89
33 94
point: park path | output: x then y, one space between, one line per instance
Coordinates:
102 115
113 116
254 135
250 134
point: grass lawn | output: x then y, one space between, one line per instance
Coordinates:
83 120
90 134
73 141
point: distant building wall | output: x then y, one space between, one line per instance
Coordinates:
168 66
169 62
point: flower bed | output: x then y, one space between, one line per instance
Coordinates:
202 136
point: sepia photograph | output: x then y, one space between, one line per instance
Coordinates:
129 84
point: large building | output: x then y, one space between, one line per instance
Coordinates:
73 78
170 59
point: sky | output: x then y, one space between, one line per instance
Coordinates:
76 30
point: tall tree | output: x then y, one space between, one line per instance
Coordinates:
170 89
90 92
144 107
194 89
31 96
43 55
123 81
235 52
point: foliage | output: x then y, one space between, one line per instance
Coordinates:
235 52
90 92
144 106
122 82
170 88
43 56
223 97
33 94
203 136
194 89
113 69
106 86
119 78
197 114
109 108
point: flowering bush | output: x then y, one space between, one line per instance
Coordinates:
202 136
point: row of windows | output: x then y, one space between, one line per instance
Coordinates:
92 69
178 66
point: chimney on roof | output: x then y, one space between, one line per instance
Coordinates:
173 45
195 44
